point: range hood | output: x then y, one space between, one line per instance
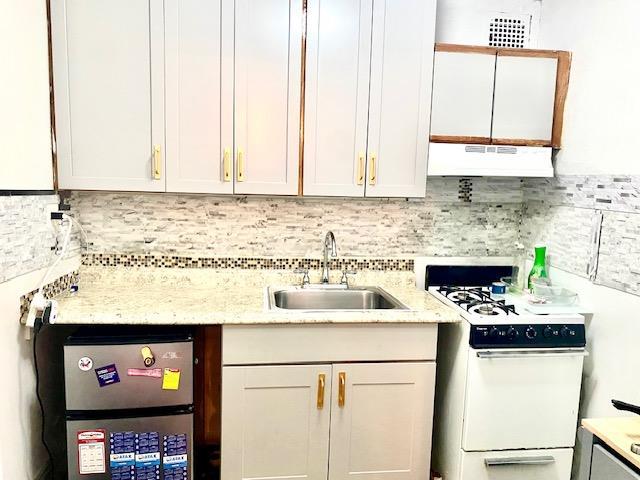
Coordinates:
453 159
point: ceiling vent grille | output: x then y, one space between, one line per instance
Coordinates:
508 32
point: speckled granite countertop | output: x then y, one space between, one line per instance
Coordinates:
172 296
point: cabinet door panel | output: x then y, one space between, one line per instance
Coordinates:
401 81
462 94
197 105
272 425
108 77
524 98
337 96
383 429
267 95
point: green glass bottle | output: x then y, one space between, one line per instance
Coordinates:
539 269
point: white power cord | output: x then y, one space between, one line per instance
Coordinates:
39 302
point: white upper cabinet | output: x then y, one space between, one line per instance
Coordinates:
524 98
462 96
108 76
199 95
368 97
400 103
268 46
337 96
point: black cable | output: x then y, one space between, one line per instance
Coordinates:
36 330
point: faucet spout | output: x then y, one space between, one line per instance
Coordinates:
329 248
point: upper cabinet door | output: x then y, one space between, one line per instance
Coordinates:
109 89
462 97
524 99
267 95
275 422
199 95
381 421
337 96
401 80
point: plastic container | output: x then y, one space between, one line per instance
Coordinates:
545 293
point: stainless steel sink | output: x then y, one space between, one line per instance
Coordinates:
326 298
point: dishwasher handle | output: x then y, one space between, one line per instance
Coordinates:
491 354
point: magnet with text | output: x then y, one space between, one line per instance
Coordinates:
107 375
91 451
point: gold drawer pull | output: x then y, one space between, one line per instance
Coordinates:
342 385
320 399
156 171
372 170
240 166
361 169
226 164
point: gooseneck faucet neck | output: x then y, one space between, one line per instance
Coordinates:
329 247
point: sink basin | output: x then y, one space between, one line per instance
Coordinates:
327 298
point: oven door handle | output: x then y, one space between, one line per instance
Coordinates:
503 462
532 353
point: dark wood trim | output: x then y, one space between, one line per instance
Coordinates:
52 111
562 89
453 48
524 52
459 139
520 142
212 384
303 78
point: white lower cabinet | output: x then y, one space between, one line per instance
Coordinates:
381 421
272 423
554 464
338 421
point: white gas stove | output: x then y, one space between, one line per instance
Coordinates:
508 380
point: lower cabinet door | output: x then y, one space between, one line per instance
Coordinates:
554 464
275 422
381 421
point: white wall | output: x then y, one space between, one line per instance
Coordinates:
613 333
25 138
23 456
601 116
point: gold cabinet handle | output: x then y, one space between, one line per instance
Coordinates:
361 160
372 170
342 386
320 399
226 165
156 171
240 167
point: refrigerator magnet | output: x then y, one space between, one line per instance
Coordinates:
85 364
171 379
107 375
91 451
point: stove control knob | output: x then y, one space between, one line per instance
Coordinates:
512 333
565 332
547 332
494 332
531 333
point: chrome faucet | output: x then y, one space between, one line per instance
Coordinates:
329 245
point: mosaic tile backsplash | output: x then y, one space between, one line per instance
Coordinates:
481 220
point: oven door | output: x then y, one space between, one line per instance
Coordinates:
522 399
